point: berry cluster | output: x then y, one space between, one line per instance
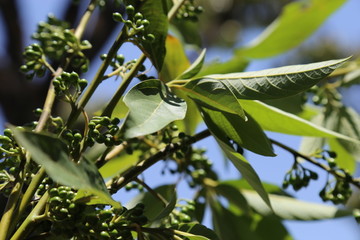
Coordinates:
57 41
299 177
34 62
182 213
10 158
189 11
336 190
70 86
103 130
136 25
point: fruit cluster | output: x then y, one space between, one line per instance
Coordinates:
189 11
103 130
34 62
69 86
57 41
299 177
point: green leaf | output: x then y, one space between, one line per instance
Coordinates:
229 127
345 121
246 170
52 154
276 120
176 61
154 207
120 163
194 68
296 23
168 208
293 209
192 117
152 106
197 229
155 12
265 84
236 64
120 111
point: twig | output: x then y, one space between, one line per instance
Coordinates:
352 180
154 193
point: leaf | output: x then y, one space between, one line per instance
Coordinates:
229 127
191 236
168 209
236 64
52 154
198 229
192 117
265 84
176 61
155 12
246 170
152 106
296 23
194 68
153 206
293 209
276 120
119 164
120 111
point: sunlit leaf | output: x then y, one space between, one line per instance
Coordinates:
152 106
293 209
295 24
276 120
52 154
119 164
194 68
176 61
265 84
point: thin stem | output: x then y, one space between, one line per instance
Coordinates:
355 182
124 84
31 219
174 9
10 209
98 78
85 19
162 154
154 193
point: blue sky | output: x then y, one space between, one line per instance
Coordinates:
342 26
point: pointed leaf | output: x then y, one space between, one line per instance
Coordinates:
246 170
276 120
155 12
191 236
296 23
230 127
194 68
293 209
52 154
152 106
265 84
175 61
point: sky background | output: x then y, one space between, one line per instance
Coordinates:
343 26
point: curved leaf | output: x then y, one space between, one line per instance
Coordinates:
194 68
152 106
296 23
246 170
293 209
260 85
276 120
197 229
230 127
176 61
52 154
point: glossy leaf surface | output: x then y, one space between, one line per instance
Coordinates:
296 23
152 106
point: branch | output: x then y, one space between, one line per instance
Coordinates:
162 154
355 182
